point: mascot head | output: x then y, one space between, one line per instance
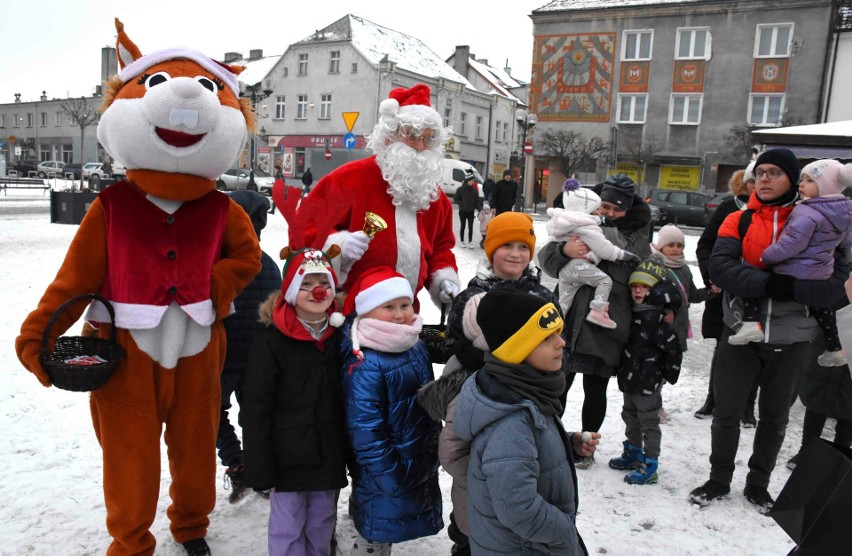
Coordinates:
173 111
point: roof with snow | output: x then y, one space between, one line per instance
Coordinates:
376 43
256 70
576 5
485 71
829 129
844 20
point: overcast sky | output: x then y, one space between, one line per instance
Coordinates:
54 45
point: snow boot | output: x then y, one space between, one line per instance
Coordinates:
629 458
831 359
760 497
706 410
645 473
584 462
748 332
601 318
235 480
709 492
793 461
197 547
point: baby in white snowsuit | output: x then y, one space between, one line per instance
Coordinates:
576 219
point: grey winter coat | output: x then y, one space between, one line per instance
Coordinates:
522 490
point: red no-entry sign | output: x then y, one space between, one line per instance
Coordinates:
528 147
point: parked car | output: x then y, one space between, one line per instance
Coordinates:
717 200
23 166
238 178
93 169
681 207
54 167
452 174
118 170
72 170
657 215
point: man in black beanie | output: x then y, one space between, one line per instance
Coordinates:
505 193
509 411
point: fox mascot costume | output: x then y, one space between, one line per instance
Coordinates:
170 253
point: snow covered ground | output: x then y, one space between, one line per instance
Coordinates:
52 498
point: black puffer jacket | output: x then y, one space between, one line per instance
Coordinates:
294 433
628 232
244 325
653 350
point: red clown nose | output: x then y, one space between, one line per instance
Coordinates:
319 293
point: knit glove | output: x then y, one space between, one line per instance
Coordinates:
449 290
780 287
354 247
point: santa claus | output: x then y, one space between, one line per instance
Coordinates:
400 184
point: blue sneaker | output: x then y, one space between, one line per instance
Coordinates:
629 458
645 473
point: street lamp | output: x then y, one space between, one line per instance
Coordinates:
526 121
255 95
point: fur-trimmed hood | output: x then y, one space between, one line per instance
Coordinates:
264 310
435 396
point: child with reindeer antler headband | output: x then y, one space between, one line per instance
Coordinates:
293 430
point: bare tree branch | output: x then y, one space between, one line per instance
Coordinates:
641 151
572 149
82 112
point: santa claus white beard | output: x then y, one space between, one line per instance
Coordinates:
412 175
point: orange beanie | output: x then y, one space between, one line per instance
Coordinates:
508 227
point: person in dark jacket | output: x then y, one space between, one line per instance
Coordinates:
293 428
741 185
595 352
521 478
778 361
307 181
488 188
651 358
241 329
467 198
394 462
505 194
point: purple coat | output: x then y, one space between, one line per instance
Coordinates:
814 230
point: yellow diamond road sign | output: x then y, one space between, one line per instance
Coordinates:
349 118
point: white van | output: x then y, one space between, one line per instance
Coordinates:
452 175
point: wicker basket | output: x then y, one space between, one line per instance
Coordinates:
76 377
434 336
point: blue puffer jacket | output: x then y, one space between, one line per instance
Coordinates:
394 463
522 490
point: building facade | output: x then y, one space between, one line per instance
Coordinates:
666 80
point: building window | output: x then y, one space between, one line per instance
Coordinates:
67 154
2 120
479 128
636 45
59 118
685 110
325 107
45 153
773 41
43 122
334 62
280 107
498 131
354 67
463 127
693 44
448 112
303 64
632 108
302 107
765 109
17 121
30 119
505 132
286 71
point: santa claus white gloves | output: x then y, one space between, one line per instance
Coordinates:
448 291
354 248
629 257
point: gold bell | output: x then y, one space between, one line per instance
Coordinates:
373 223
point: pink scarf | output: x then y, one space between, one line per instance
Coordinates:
385 336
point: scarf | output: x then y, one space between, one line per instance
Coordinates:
388 337
541 388
786 200
671 262
285 319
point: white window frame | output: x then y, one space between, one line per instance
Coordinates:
479 128
280 107
302 107
2 120
354 67
505 132
773 27
303 63
463 124
334 62
498 131
634 118
708 43
763 122
16 122
43 119
325 106
30 119
690 97
625 56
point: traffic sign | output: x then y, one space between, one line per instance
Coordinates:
528 147
12 139
349 119
328 154
349 141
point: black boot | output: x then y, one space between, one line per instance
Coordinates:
706 410
197 547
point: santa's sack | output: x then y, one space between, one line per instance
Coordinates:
815 506
80 363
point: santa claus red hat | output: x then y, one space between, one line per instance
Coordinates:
300 264
374 288
411 106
